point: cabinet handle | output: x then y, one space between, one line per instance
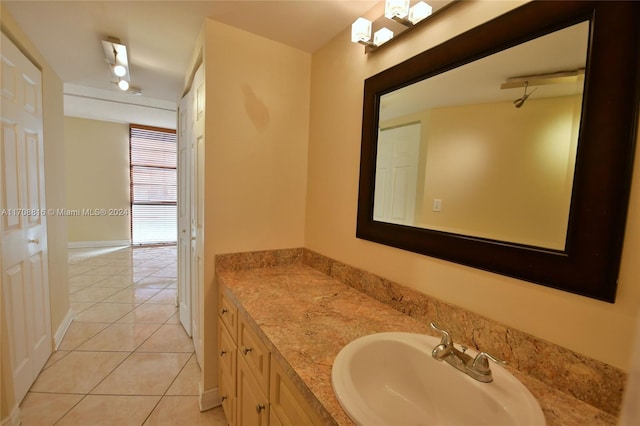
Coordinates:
222 352
223 399
223 311
259 408
246 350
36 241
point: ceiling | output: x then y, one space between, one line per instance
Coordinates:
160 37
480 81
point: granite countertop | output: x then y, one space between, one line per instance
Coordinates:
305 318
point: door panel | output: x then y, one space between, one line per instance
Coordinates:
33 175
197 243
11 186
184 212
13 282
197 208
41 329
31 97
9 80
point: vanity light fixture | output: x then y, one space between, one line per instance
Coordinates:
396 10
115 54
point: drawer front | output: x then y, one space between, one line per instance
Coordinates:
228 314
255 353
287 403
227 356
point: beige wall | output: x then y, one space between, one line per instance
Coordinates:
257 120
53 133
501 172
97 177
338 71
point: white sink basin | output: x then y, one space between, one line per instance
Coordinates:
392 379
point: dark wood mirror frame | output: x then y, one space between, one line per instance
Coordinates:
590 263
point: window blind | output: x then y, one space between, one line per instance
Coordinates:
153 159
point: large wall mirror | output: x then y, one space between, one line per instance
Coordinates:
510 147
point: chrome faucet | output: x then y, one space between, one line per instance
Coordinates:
477 367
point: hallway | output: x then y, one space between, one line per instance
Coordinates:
125 359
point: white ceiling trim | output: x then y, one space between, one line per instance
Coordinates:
96 104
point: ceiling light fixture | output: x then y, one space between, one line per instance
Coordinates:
520 101
119 70
123 84
396 10
115 53
558 77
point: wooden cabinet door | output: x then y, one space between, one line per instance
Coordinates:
288 405
229 400
253 406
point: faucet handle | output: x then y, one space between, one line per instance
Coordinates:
481 362
446 337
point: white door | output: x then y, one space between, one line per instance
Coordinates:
397 174
185 124
23 232
197 207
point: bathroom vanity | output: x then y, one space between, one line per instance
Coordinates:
283 319
254 390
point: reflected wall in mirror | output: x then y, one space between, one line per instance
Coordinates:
456 164
461 152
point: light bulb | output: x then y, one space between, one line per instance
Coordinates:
399 8
382 36
419 11
119 70
361 30
123 84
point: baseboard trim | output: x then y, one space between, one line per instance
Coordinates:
12 419
209 399
90 244
62 329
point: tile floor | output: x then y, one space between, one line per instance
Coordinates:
125 359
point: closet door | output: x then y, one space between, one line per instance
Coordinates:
191 208
185 190
23 236
197 208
